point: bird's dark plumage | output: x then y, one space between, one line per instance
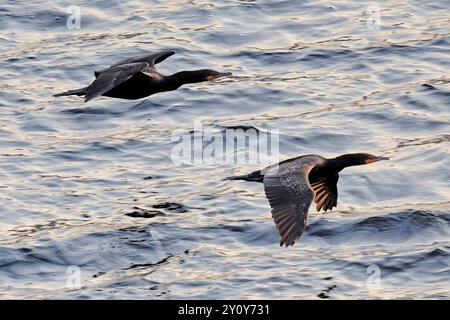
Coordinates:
292 185
137 77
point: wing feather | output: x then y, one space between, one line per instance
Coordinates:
112 77
326 192
289 196
152 58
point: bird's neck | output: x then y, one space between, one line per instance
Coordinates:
339 163
176 80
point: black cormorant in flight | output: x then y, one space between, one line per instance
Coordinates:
293 184
137 77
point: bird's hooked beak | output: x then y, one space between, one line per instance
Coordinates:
219 75
375 159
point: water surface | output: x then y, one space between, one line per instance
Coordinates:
93 186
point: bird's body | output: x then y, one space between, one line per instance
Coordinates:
137 87
137 77
292 185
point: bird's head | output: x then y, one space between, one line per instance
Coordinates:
205 75
367 158
356 159
195 76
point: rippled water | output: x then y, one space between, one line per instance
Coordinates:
92 186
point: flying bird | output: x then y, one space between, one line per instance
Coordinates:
292 185
137 77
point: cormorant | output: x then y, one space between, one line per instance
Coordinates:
137 77
293 184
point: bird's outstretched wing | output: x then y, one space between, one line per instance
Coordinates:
112 77
290 196
326 193
150 58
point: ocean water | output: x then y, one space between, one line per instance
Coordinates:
93 205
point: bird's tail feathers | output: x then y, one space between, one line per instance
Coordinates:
76 92
255 176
